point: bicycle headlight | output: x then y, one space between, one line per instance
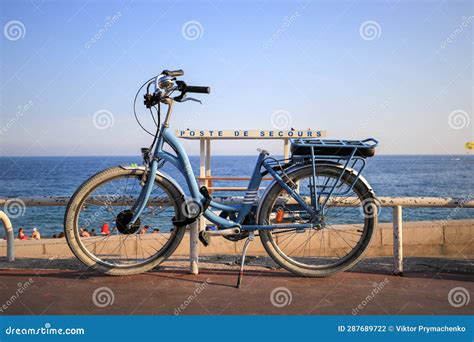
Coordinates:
165 82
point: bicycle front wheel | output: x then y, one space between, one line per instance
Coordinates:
342 238
95 235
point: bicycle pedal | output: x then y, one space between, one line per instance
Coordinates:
205 192
204 238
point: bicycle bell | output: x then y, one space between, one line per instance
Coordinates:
165 82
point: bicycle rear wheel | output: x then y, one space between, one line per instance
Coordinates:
345 235
109 195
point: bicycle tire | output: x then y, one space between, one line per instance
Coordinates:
71 228
366 196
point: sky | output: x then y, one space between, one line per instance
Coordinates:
398 71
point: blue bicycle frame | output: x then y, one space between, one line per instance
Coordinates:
181 162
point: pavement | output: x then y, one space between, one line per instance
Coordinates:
369 289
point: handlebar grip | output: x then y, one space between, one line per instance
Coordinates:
198 89
173 73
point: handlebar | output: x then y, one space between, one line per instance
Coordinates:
173 73
184 88
167 82
198 89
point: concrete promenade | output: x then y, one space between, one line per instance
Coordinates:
439 279
173 291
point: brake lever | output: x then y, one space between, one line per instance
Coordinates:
151 100
184 98
192 99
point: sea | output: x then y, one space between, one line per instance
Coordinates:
414 175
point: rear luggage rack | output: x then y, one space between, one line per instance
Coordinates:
349 154
366 143
332 147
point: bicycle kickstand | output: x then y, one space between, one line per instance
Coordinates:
242 262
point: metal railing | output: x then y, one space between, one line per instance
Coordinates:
396 203
10 236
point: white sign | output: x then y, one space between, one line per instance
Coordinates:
249 134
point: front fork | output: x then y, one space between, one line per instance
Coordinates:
151 168
140 204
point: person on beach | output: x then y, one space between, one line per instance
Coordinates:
22 235
84 233
36 234
92 232
58 236
144 230
105 230
156 231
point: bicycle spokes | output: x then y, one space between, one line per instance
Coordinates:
103 223
337 229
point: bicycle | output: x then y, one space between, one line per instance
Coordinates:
316 217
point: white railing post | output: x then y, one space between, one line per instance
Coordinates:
194 247
398 239
286 148
196 226
208 182
10 238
